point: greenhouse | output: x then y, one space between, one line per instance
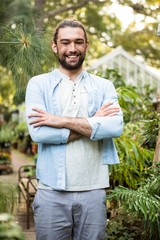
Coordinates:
134 71
79 120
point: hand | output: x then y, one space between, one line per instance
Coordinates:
107 110
74 136
43 118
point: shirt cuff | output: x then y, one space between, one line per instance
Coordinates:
65 135
94 125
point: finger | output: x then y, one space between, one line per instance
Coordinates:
35 115
110 109
37 120
111 114
106 105
107 112
38 110
38 124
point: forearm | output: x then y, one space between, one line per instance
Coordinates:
45 133
40 118
78 125
49 135
81 126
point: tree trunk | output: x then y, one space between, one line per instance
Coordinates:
39 19
156 158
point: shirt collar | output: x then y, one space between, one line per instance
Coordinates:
62 76
56 77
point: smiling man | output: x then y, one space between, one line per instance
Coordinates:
70 48
74 116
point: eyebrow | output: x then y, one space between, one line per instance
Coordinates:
77 39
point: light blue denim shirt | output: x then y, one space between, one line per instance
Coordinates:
43 92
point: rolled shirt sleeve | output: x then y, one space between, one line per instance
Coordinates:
107 127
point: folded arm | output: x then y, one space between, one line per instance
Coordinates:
44 134
78 126
106 110
48 128
108 126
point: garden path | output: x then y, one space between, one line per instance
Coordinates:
19 159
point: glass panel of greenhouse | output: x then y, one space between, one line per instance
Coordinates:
135 73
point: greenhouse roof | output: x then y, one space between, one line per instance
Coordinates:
134 71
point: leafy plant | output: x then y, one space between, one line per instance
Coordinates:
5 133
151 128
123 227
134 159
143 203
10 230
129 99
8 199
21 128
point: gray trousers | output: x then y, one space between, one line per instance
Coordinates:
62 215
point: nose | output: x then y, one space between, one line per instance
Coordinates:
72 47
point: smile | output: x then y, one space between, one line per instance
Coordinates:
72 56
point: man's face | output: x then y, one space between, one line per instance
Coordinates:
70 48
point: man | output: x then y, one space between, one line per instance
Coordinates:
73 115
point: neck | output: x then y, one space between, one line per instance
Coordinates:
72 74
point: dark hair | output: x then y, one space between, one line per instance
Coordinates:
69 23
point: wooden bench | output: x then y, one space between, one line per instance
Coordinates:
27 184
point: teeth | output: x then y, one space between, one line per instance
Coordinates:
72 56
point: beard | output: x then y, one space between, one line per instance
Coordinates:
70 66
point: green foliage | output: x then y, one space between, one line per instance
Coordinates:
114 76
140 202
6 86
151 128
129 99
22 7
5 134
143 203
138 42
23 49
134 159
21 128
8 199
134 155
3 6
10 230
124 227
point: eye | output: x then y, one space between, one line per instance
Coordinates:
64 42
79 42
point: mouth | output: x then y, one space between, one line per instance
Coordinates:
72 56
72 59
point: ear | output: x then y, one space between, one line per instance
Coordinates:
54 47
87 46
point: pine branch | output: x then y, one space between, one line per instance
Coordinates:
23 52
10 43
